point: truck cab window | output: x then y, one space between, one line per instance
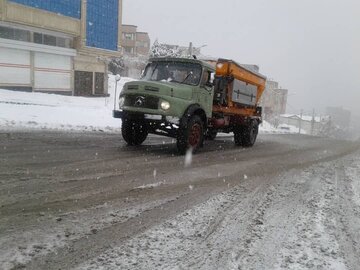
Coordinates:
206 78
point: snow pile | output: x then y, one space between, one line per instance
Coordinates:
266 127
49 111
150 186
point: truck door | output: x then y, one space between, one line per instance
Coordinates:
206 91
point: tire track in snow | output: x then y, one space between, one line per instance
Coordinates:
347 207
313 244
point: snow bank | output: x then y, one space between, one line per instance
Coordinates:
266 127
22 110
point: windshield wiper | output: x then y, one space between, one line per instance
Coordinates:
154 70
187 76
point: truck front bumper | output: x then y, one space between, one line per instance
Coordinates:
146 117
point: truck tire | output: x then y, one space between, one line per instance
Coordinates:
238 131
190 136
134 133
211 135
249 134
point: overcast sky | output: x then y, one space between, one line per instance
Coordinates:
311 47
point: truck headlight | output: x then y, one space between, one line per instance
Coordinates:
165 105
121 102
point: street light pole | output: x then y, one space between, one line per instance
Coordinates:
313 122
301 115
117 79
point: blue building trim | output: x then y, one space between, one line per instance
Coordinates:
70 8
102 24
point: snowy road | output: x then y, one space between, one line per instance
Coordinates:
86 201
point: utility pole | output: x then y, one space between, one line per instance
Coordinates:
300 121
313 122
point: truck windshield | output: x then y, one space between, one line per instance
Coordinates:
179 72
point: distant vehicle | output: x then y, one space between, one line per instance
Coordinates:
191 100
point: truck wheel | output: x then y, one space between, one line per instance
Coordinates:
191 136
134 133
238 131
249 134
211 135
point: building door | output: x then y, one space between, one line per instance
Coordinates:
99 83
83 83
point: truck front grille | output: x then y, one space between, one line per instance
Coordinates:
133 87
142 101
151 88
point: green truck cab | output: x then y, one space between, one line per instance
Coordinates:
174 98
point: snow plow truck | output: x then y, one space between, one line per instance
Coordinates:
192 100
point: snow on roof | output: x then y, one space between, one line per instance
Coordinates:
307 118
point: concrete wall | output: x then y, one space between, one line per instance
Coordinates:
88 63
2 7
120 27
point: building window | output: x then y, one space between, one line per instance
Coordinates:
49 40
21 35
129 49
6 32
61 42
128 36
141 44
15 34
38 38
52 40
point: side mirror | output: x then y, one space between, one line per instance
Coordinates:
209 84
212 77
117 77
